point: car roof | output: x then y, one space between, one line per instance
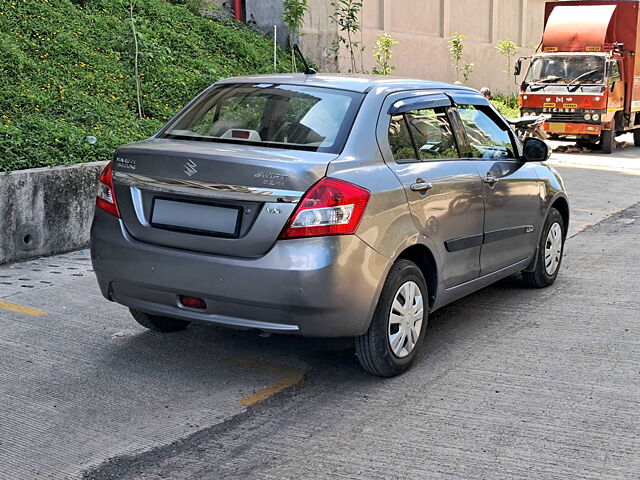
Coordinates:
354 83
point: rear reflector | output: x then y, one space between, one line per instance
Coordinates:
193 302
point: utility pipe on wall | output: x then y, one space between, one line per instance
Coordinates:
237 9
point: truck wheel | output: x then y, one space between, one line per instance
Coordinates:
636 137
550 250
607 141
397 329
158 324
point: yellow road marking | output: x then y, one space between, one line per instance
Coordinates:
20 309
291 377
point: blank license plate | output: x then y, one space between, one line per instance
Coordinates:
198 217
557 127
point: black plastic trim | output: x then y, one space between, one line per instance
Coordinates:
463 243
471 241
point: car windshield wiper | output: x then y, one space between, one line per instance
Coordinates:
580 77
543 82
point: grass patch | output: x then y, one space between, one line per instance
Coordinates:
66 72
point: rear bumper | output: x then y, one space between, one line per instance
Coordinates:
559 128
322 287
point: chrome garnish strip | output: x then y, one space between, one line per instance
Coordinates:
136 197
203 189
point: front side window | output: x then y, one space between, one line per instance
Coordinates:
487 139
283 116
615 72
422 135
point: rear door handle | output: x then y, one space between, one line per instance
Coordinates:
421 186
490 179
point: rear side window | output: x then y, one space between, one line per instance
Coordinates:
422 135
283 116
487 139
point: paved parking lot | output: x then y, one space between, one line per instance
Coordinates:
513 382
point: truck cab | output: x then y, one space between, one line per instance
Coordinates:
584 73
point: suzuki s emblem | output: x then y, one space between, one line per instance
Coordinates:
190 168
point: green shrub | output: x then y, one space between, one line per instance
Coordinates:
66 72
507 105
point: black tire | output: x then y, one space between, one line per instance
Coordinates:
158 324
539 277
636 137
373 348
607 141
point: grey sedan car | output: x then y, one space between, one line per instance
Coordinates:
325 206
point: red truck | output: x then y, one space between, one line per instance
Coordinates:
586 74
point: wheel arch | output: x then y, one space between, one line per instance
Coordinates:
561 204
423 257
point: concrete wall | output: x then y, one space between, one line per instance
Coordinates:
223 6
423 27
46 210
261 14
264 15
319 34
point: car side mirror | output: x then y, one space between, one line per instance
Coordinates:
517 68
535 150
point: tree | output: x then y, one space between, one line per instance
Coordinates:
382 53
456 50
136 56
467 71
346 16
293 16
508 49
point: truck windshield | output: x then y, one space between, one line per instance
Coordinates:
280 116
569 69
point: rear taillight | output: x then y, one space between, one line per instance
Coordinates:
330 207
106 199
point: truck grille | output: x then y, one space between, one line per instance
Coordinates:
566 117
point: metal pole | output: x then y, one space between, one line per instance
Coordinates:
275 47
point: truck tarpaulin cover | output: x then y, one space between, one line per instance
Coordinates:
577 28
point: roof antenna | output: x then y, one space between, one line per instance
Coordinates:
307 69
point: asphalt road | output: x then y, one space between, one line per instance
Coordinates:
512 383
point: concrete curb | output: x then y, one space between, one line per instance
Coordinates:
44 211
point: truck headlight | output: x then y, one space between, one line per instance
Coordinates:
587 116
595 117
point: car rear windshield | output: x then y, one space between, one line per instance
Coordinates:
280 116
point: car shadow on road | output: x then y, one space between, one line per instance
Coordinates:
209 354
